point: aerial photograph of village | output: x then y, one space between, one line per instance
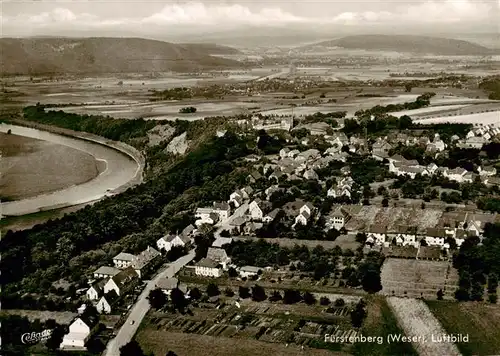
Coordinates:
240 178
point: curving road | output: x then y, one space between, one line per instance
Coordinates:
141 307
120 170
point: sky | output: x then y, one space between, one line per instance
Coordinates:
172 18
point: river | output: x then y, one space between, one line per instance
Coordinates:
120 170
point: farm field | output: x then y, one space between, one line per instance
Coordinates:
31 167
160 342
480 118
366 216
481 321
381 321
417 320
418 278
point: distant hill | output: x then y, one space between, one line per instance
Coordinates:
407 43
210 48
105 55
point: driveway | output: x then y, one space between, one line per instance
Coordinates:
141 307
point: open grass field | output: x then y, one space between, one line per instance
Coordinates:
31 167
160 342
480 321
418 278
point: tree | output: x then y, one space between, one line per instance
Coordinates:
258 293
171 353
131 349
358 314
229 292
492 298
385 202
212 290
232 272
339 302
324 301
244 292
408 87
157 299
440 294
195 293
275 297
291 296
309 298
370 278
178 299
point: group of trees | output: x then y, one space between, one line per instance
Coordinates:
133 348
479 266
176 300
187 110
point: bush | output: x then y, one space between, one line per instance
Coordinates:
339 302
324 301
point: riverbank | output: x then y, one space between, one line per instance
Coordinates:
124 168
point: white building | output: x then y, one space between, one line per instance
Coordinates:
207 268
255 209
79 333
103 307
123 260
249 271
106 272
168 241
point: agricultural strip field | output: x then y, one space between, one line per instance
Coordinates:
480 321
418 278
417 321
380 321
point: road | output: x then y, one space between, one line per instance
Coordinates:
141 307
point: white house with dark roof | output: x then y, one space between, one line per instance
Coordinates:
122 282
222 209
269 218
123 260
208 268
167 284
168 241
249 271
338 218
487 171
456 174
96 290
103 306
377 233
106 272
144 259
256 209
80 331
218 255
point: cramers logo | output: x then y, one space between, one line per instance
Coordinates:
33 338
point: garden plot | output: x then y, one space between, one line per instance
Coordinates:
417 278
418 321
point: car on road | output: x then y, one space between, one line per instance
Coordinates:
132 322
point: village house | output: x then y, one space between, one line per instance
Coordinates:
123 260
106 272
256 209
218 255
284 152
310 174
377 234
380 149
223 210
456 174
168 241
80 331
103 306
338 218
304 214
475 142
237 224
254 176
403 235
249 271
122 282
251 227
96 290
221 241
435 237
146 259
168 284
487 171
269 218
208 268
